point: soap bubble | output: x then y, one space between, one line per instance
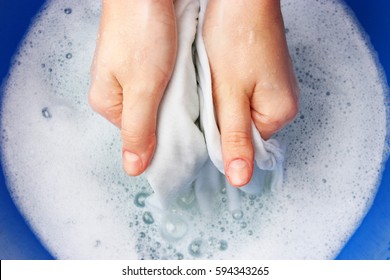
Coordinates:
173 227
179 256
243 225
147 218
212 241
139 199
46 113
196 248
67 11
237 214
222 245
188 200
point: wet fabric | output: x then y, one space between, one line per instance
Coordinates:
189 153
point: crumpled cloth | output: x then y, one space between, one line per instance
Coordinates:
188 153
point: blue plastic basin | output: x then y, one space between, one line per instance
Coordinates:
370 241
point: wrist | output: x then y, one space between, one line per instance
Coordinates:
123 4
138 11
259 8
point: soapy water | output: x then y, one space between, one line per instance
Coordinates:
63 162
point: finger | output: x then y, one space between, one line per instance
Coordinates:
138 127
234 120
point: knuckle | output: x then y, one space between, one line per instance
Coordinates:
289 109
236 138
281 114
272 122
146 90
135 138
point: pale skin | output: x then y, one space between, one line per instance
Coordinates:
252 75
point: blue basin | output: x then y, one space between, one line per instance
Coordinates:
370 241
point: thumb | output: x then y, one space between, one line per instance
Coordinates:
234 120
138 128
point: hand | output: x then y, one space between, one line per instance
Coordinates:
252 77
133 62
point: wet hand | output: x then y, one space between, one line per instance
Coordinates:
252 77
133 62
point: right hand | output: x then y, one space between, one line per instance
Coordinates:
252 77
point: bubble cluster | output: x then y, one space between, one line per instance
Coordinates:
76 192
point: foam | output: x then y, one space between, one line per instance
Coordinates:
63 164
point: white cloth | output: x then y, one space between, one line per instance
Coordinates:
184 150
181 150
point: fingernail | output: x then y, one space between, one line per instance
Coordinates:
132 163
238 172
